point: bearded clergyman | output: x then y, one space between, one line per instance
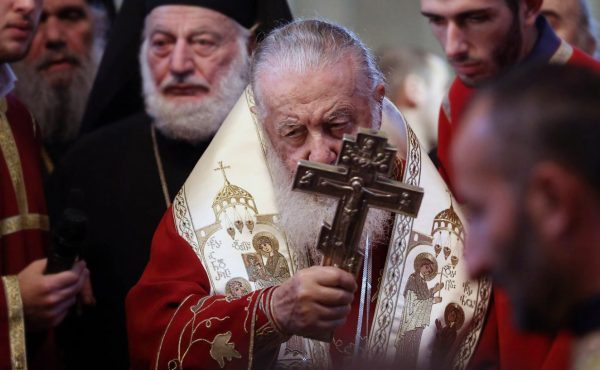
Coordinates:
312 82
194 60
56 76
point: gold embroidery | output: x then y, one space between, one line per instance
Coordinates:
9 150
221 349
15 224
16 323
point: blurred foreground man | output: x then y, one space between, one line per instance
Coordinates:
482 40
248 290
572 22
56 77
194 63
535 209
31 304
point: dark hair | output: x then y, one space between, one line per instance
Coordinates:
546 112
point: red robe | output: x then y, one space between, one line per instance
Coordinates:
175 275
501 345
23 218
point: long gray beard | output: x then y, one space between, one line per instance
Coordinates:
196 121
58 109
302 215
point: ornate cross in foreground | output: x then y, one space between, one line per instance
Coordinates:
361 180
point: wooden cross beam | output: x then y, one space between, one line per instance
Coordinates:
360 179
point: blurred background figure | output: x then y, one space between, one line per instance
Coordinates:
417 81
56 76
535 209
572 21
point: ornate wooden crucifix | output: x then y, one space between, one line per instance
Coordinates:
360 180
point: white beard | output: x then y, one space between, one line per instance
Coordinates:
59 108
195 121
302 215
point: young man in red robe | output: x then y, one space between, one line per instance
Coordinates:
30 303
482 39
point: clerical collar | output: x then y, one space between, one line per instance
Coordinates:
546 45
586 317
7 80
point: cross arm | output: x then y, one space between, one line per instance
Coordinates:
394 196
316 178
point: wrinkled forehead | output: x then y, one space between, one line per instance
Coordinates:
186 18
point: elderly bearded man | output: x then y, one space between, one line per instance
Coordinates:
194 63
312 82
56 77
482 39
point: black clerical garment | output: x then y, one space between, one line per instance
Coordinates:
116 170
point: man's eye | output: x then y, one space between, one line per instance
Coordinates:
435 20
294 133
204 45
160 45
340 128
478 18
71 14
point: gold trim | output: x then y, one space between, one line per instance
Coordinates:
8 147
18 223
16 323
562 54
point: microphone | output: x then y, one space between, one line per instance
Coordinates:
68 236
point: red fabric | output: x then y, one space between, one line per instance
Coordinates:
501 345
157 318
19 249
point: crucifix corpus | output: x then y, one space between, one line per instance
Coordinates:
360 179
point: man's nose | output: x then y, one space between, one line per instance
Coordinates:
322 150
25 7
181 59
455 45
54 34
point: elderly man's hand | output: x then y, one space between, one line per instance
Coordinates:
314 302
47 298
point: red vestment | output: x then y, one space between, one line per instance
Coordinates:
23 218
173 296
501 345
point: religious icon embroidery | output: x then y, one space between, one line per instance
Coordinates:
242 250
435 257
237 288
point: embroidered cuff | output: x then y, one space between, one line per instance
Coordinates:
16 323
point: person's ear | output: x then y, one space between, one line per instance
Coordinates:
379 93
552 200
529 11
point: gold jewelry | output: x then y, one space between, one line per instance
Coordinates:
161 172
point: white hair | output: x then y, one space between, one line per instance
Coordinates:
306 45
